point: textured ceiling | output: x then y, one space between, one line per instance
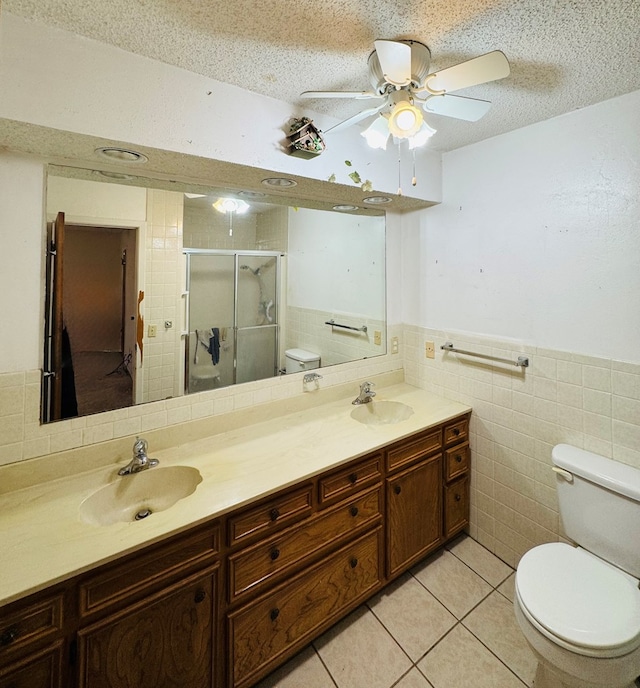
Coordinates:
564 54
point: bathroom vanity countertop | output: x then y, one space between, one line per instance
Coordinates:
43 539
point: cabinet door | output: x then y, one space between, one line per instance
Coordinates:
39 670
414 514
165 641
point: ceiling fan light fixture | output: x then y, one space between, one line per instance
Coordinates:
405 120
377 133
231 205
421 136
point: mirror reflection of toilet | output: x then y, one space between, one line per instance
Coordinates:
579 607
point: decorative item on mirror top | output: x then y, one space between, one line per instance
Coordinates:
153 292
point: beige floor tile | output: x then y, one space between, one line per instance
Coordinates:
359 653
414 679
453 583
508 588
460 660
485 564
494 623
412 615
305 669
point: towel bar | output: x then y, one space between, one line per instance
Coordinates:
333 323
522 362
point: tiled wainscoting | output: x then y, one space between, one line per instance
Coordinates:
449 622
518 416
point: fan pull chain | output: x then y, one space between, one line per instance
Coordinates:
231 223
399 167
414 179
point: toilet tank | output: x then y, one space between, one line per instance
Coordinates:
297 360
600 505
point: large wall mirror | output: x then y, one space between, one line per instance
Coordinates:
157 289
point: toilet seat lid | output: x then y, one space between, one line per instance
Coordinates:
580 599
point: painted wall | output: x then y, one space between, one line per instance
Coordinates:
537 238
57 79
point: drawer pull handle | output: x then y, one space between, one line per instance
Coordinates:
275 553
353 562
275 613
274 514
9 635
457 497
353 478
458 458
456 431
397 489
200 596
353 510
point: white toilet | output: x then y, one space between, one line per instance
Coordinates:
297 360
579 607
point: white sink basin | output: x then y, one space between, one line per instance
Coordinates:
381 412
135 497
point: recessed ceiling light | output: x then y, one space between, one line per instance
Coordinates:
345 207
377 200
113 175
279 182
121 154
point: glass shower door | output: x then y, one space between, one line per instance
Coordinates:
256 317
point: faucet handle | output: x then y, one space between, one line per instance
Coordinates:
140 446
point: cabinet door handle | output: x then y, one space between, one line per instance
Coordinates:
353 510
8 635
353 478
397 489
456 431
274 554
457 497
353 562
200 596
458 458
274 614
274 514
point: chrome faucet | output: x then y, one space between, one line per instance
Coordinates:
140 460
366 393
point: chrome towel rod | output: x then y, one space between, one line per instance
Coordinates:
522 362
333 323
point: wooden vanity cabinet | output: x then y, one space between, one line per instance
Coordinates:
33 644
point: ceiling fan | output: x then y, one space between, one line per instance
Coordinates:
399 75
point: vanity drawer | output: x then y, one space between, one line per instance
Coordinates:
254 566
456 506
340 484
458 431
271 515
456 461
405 453
264 633
25 627
147 571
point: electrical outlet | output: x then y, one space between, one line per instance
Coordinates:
377 337
152 331
429 350
394 345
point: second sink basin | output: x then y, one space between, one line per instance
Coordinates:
134 497
381 412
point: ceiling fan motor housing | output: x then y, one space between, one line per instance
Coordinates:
420 63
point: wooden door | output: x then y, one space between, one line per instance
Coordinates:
43 669
165 641
414 514
52 375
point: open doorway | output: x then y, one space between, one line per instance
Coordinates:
96 283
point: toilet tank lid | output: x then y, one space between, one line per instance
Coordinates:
613 475
301 355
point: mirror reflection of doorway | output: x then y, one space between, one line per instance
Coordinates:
98 320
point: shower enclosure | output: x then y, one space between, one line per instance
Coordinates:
232 330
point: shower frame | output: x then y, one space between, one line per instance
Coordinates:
186 333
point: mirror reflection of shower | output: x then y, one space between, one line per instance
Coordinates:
232 332
266 304
231 206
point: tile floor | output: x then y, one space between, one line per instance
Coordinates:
447 623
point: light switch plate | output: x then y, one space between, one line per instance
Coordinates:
377 337
429 350
152 331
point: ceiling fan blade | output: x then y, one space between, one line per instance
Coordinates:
478 70
459 107
358 95
355 119
395 61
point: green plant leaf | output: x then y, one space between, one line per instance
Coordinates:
355 177
347 163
